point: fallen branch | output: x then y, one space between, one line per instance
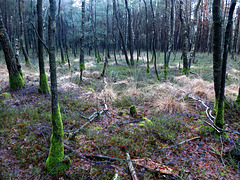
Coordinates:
115 175
101 157
131 168
182 142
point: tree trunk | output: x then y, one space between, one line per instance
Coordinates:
43 80
237 102
154 42
217 45
115 12
146 32
22 43
185 69
130 33
193 48
55 162
14 69
60 42
82 65
219 120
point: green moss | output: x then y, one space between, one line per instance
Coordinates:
215 105
43 84
56 152
82 66
148 69
185 71
5 95
165 71
219 120
132 110
98 59
16 82
27 61
237 103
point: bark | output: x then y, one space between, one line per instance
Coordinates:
217 52
237 101
185 69
82 65
130 33
146 32
43 81
107 21
114 36
55 162
193 48
120 32
14 69
60 42
139 16
236 31
219 120
22 41
154 42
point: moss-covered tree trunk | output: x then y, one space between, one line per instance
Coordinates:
237 102
55 159
43 80
14 69
185 69
82 65
219 120
22 43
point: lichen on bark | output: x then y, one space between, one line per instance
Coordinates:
56 152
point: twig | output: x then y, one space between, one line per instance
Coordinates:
115 175
222 151
40 38
182 142
100 157
131 168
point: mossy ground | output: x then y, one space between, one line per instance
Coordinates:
26 129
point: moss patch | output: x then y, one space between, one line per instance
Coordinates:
219 120
237 103
98 59
56 154
43 84
16 82
185 71
132 110
82 66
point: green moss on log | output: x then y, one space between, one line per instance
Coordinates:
16 82
56 152
43 84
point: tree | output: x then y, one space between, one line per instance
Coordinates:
55 161
60 35
14 68
130 33
219 120
82 65
237 102
146 32
185 69
22 40
43 80
193 48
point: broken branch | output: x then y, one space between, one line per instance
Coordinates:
131 168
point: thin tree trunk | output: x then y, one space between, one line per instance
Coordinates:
60 33
22 43
193 48
43 80
56 152
146 32
82 65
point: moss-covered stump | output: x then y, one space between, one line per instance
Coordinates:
132 110
43 84
55 161
16 82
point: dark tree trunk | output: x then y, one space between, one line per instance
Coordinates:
22 43
130 33
147 39
219 120
82 65
185 69
14 69
120 32
60 42
56 152
43 80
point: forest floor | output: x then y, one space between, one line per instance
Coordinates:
168 137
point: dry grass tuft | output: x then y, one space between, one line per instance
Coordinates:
169 105
109 94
